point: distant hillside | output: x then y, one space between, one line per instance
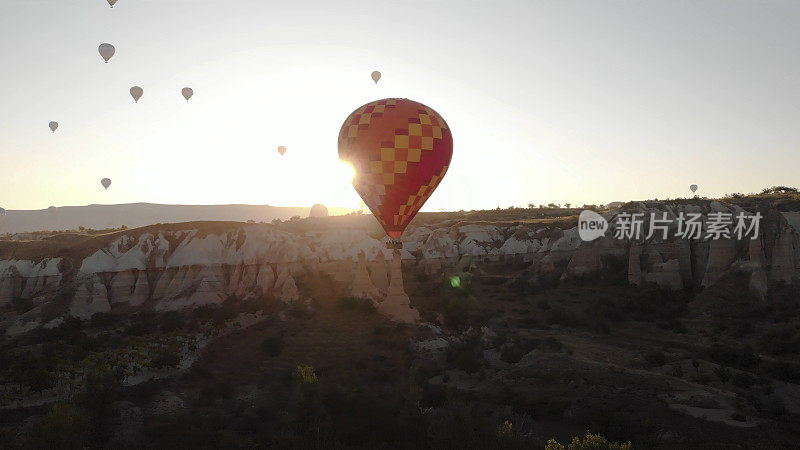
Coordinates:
141 214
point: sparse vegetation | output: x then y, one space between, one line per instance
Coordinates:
589 442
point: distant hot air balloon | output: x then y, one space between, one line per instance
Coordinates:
106 51
136 93
112 2
376 76
693 188
53 126
105 182
400 150
187 93
281 150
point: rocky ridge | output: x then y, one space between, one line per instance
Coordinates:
187 266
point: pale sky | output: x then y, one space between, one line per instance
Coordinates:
549 101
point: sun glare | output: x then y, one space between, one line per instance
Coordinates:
347 171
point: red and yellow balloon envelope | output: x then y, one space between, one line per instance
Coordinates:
400 150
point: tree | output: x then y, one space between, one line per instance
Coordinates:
567 205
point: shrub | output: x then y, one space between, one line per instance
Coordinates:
170 321
552 344
22 305
306 376
784 371
743 380
102 319
64 426
467 356
737 357
514 352
655 358
723 373
590 442
505 430
354 303
780 341
772 407
273 345
204 312
456 312
299 310
165 356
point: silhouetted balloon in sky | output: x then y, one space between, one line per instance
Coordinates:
281 150
136 93
187 93
693 188
105 182
112 2
400 151
53 126
376 76
106 51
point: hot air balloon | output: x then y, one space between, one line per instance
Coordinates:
693 188
376 76
187 93
281 150
400 151
112 2
106 51
105 182
136 93
53 126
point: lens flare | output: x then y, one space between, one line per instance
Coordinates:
455 282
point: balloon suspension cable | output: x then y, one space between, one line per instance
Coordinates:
394 244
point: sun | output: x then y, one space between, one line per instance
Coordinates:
347 171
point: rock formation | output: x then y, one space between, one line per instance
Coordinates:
184 265
397 305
